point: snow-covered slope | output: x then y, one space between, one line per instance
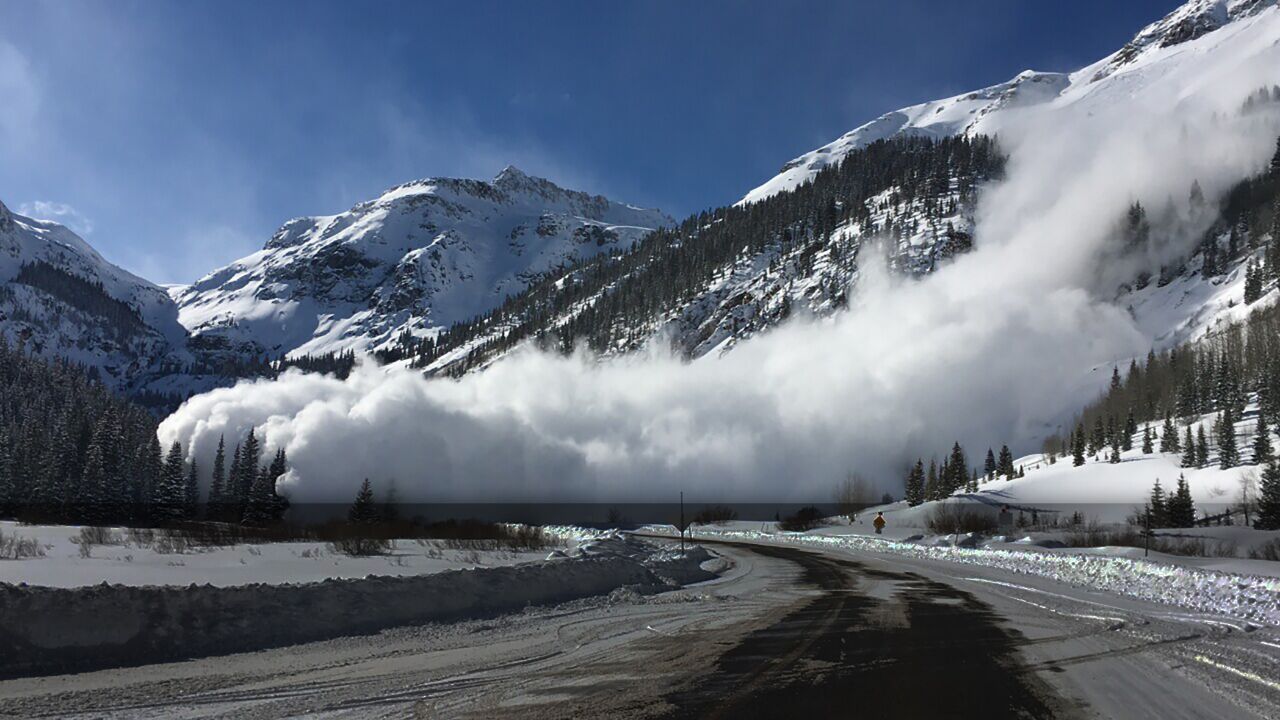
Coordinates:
417 258
61 298
986 111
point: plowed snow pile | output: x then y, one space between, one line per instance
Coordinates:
47 630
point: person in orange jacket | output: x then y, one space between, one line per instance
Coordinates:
878 522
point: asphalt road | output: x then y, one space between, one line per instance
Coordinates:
785 633
931 651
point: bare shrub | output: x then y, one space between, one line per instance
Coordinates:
806 518
169 542
1093 535
715 515
360 546
97 536
948 518
1266 551
16 547
140 537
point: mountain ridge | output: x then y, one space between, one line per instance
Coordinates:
419 256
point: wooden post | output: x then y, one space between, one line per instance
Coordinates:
1146 550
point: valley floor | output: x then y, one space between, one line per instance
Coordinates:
786 631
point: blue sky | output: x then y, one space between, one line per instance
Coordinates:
178 136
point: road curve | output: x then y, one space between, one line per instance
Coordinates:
785 632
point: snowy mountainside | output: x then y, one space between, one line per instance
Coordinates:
729 273
968 113
420 256
807 266
986 111
62 299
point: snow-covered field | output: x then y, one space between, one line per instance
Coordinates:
131 563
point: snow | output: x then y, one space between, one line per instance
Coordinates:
58 330
128 563
969 113
418 258
1251 598
1156 50
47 629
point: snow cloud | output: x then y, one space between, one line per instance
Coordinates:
997 346
57 212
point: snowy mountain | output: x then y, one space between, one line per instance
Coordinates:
798 262
415 259
60 298
985 111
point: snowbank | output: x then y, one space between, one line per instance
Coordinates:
130 563
1252 598
52 630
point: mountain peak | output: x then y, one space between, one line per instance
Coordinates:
513 179
510 174
6 219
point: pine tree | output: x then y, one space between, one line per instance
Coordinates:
1180 510
250 454
1157 506
151 475
364 511
1252 283
1169 437
1130 429
217 484
989 467
1268 517
972 485
1190 457
8 487
1202 447
1228 452
1005 465
1077 447
1147 447
915 484
264 506
235 501
957 465
1261 441
170 493
191 491
92 500
932 491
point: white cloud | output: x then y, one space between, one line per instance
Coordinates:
57 212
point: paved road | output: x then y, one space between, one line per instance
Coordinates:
785 633
927 650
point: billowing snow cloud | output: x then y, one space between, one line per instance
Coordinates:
997 346
58 212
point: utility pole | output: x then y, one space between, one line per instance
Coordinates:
681 522
1146 548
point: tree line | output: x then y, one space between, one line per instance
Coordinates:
72 451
